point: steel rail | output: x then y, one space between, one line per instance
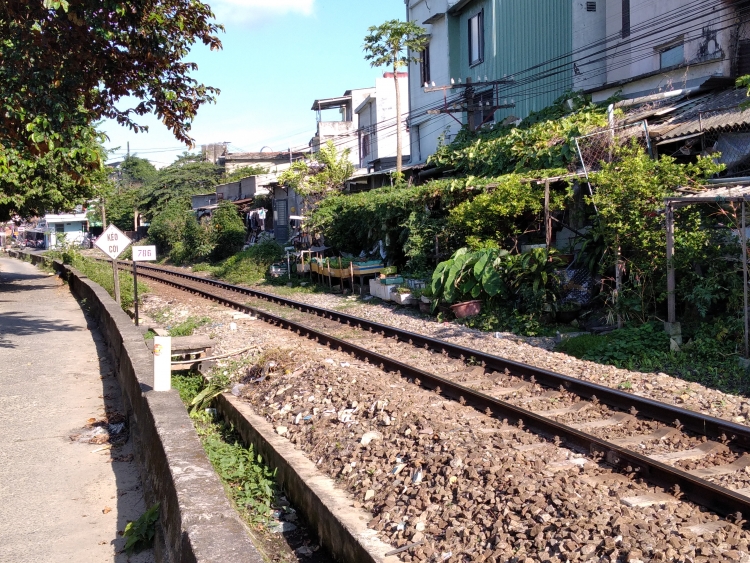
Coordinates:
705 425
719 499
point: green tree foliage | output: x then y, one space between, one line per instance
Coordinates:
629 197
228 231
543 140
67 64
408 218
189 175
135 172
167 226
391 44
322 173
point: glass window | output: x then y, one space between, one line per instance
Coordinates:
625 18
424 66
476 39
672 56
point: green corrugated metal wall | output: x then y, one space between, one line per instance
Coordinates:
518 35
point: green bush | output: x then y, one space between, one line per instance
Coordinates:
709 355
228 231
250 265
168 227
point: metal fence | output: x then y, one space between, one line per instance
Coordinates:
600 147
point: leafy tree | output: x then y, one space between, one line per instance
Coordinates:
228 231
168 226
323 173
391 44
188 175
136 172
67 64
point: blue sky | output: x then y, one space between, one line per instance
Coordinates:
278 57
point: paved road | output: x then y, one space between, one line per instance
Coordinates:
59 500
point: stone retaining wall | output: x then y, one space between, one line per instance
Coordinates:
198 523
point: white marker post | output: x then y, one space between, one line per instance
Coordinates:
113 242
162 363
140 254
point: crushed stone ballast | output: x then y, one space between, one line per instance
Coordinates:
657 468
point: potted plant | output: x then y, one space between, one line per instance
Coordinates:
403 296
466 279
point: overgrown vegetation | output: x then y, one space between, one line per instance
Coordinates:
188 326
247 480
709 356
248 266
101 273
177 233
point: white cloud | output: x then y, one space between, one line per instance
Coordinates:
246 11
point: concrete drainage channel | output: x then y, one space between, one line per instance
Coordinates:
197 522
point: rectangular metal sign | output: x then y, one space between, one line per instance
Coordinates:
144 253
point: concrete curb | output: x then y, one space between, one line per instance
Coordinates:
198 523
341 528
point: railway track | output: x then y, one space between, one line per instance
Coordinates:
699 457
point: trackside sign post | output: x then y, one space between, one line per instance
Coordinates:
140 254
113 242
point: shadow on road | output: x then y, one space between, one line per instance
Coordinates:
15 324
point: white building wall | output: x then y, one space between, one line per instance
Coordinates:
589 32
706 40
426 129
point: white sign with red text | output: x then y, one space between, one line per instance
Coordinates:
144 253
113 241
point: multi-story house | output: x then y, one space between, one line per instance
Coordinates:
642 48
377 123
338 122
515 54
520 56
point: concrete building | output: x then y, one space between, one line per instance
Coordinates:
510 50
338 122
272 162
73 225
656 46
246 188
377 121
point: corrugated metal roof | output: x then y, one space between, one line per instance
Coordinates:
722 193
710 112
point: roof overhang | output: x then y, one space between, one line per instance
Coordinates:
434 18
367 101
330 103
458 6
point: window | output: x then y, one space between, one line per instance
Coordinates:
672 56
625 18
365 146
59 228
591 6
424 66
476 39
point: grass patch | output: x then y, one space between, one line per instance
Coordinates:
708 357
188 326
248 266
101 273
248 481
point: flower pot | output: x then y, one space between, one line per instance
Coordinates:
467 309
424 307
425 299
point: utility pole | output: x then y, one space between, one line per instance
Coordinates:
469 105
